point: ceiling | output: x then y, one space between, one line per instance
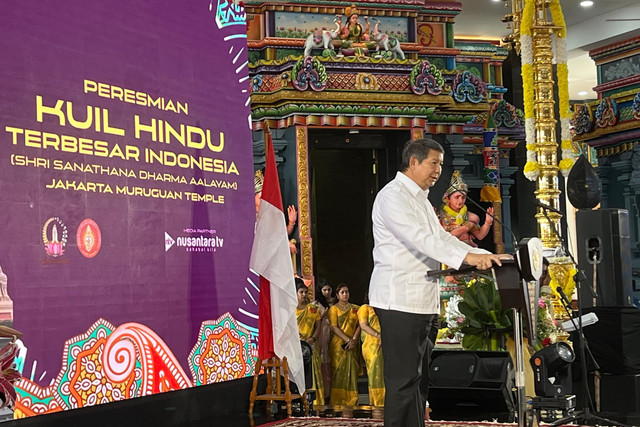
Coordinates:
607 21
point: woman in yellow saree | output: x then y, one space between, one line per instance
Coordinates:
372 353
344 349
308 316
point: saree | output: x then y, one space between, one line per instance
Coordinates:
345 364
307 319
372 354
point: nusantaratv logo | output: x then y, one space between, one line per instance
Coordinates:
168 241
194 243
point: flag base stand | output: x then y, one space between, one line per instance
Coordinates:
275 369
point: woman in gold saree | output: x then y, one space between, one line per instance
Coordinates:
372 353
308 316
344 349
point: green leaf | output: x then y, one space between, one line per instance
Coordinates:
473 342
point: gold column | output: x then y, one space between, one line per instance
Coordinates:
304 207
545 124
486 71
498 72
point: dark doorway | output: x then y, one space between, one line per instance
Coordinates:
346 172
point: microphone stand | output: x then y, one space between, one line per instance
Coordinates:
520 392
586 416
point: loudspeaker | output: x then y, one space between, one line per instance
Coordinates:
614 340
604 242
584 188
620 393
466 385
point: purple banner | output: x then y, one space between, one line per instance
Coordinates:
125 170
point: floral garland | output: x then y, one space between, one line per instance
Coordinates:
532 167
547 326
568 153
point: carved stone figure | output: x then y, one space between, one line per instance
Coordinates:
387 43
320 39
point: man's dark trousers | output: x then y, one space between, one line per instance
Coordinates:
405 339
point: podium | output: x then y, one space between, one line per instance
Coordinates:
517 283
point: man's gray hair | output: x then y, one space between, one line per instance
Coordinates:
418 148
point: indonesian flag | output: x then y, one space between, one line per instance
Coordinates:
270 258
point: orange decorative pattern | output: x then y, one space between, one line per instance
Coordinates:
341 81
34 399
107 364
222 353
394 83
89 385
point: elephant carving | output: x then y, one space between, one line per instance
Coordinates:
388 44
320 39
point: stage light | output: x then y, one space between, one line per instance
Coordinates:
552 370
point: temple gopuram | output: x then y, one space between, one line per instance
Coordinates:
340 86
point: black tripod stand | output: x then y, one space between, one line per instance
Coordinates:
586 416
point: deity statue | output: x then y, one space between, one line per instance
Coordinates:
354 37
456 219
352 30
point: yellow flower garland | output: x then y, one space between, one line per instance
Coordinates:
568 153
532 168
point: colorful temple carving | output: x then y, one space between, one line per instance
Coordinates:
610 127
390 65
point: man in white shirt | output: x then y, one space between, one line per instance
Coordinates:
409 241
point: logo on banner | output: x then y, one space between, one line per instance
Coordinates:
54 236
168 241
89 238
206 240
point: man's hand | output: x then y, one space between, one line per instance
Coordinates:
485 261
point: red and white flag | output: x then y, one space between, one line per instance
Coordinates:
270 258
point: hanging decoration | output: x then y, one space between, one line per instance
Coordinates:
569 150
531 168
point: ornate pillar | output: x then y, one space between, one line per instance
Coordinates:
486 71
547 188
625 167
506 172
279 145
498 72
459 150
304 207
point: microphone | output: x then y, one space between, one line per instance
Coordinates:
549 208
563 296
513 236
